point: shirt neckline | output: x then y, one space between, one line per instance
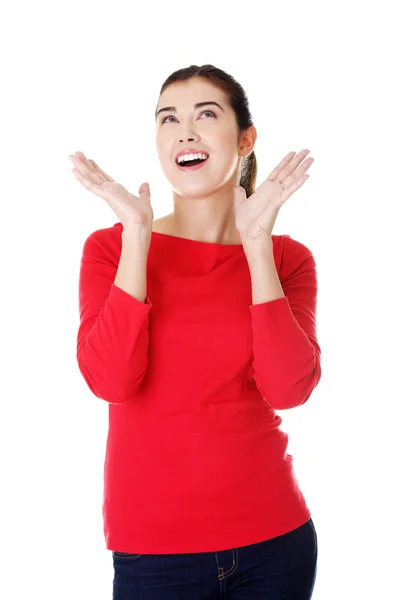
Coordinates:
181 239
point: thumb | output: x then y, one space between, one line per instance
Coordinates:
144 189
239 194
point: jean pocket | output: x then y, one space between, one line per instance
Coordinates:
125 555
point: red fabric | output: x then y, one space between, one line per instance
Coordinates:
195 458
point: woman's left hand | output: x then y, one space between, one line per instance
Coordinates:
255 216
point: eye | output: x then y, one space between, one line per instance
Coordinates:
204 111
209 111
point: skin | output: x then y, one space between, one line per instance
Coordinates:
209 205
203 199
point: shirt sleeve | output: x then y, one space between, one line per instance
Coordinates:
286 354
113 334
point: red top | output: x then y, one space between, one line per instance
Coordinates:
195 458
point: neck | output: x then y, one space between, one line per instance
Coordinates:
206 219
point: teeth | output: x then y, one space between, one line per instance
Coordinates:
184 157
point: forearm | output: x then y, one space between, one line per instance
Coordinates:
265 283
286 355
132 269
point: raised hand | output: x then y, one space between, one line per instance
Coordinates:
255 216
131 210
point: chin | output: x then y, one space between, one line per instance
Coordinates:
194 194
202 186
193 190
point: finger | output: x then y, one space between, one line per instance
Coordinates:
144 189
87 182
292 184
96 166
292 165
84 169
84 160
305 166
281 165
300 180
301 170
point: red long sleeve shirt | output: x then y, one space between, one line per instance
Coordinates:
195 457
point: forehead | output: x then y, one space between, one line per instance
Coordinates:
184 94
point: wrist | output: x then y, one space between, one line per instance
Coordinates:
258 247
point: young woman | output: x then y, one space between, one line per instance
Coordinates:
195 329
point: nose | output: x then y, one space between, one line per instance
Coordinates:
190 135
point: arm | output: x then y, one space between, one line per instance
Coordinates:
286 354
113 336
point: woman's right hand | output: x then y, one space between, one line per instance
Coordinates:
132 211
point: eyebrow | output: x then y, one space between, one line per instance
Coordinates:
198 105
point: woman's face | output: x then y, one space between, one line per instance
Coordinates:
207 128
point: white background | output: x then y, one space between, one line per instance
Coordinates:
86 76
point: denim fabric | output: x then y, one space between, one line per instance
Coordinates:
282 568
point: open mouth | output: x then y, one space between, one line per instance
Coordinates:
190 165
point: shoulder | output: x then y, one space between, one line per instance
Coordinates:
104 242
292 249
292 245
295 257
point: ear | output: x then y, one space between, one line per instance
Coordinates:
249 137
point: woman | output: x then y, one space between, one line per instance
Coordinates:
195 328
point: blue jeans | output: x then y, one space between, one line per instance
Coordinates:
282 568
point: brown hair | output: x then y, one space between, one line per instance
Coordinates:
239 102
